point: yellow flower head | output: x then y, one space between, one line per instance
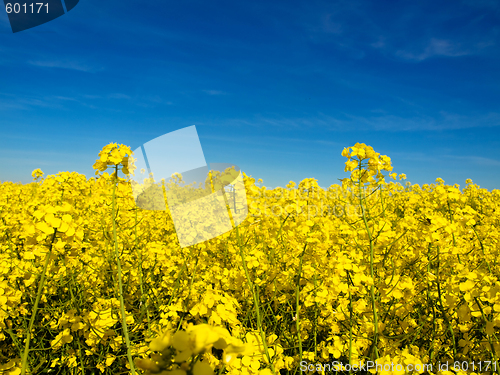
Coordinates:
37 174
114 155
365 164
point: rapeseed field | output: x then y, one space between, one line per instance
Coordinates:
369 272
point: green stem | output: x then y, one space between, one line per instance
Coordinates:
120 283
256 302
349 283
482 249
35 308
372 288
76 333
445 315
431 303
144 298
187 301
315 319
493 354
297 303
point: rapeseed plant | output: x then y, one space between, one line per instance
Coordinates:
116 156
367 270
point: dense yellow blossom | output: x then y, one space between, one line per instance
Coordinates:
369 270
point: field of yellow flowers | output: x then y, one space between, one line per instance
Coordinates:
368 271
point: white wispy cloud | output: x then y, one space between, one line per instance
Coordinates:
380 43
328 25
269 140
150 101
412 34
140 100
27 103
435 47
470 160
10 101
15 101
475 160
379 121
214 92
67 64
66 98
489 4
8 106
445 121
118 96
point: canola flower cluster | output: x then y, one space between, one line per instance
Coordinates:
92 284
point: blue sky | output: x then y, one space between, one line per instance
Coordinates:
278 88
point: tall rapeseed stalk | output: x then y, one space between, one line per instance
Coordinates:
115 156
366 169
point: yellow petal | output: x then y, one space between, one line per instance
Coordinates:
202 368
